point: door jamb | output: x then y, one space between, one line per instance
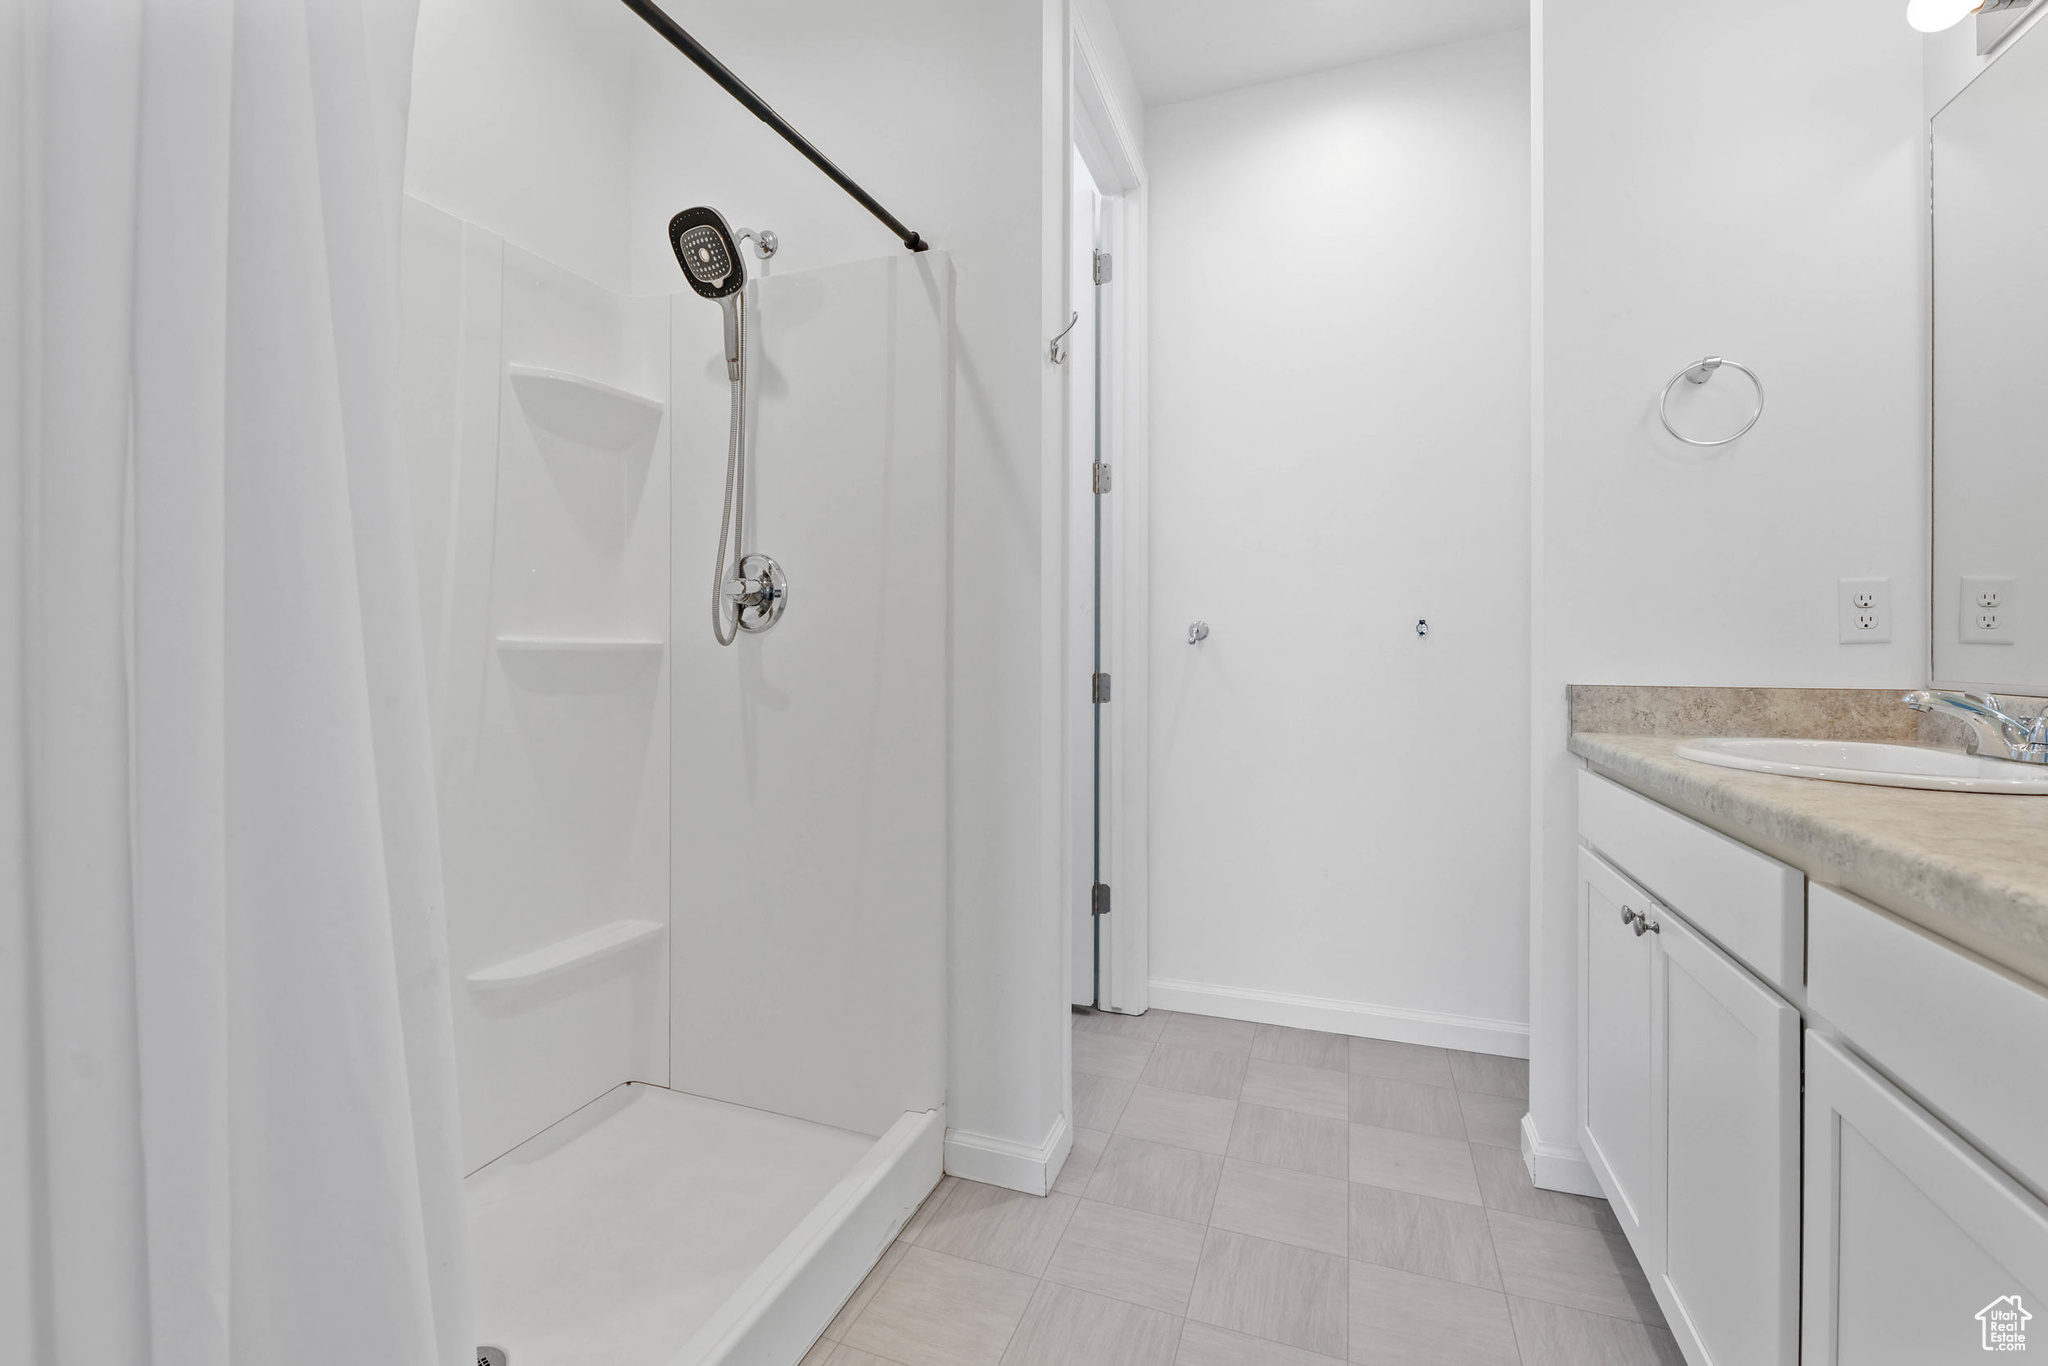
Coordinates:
1110 152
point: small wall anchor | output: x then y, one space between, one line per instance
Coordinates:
1198 632
1422 626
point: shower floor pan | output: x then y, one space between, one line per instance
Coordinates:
654 1228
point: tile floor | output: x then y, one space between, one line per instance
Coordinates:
1249 1195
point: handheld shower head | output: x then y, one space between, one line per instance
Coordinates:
749 592
711 262
706 251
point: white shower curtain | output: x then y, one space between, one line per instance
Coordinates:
220 894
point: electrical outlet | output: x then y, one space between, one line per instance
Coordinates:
1986 615
1864 610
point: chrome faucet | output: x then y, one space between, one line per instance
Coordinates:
1994 732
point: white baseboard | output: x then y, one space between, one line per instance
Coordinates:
1474 1034
1557 1166
1013 1166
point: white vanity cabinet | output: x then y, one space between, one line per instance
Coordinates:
1909 1227
1615 1043
1911 1234
1689 1064
1913 1230
1727 1132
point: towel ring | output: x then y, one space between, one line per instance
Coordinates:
1700 374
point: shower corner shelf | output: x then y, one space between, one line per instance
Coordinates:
584 411
578 664
566 955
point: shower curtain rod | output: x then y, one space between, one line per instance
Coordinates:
658 20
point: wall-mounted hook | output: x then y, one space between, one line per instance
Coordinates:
1059 353
1198 632
1422 626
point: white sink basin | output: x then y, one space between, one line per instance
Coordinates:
1848 761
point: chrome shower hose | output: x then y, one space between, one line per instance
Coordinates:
733 510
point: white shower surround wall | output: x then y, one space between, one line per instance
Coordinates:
809 848
535 415
786 872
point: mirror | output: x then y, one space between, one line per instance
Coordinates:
1990 589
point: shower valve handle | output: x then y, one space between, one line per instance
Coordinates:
747 592
756 591
762 589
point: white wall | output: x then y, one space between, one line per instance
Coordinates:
19 1327
1339 379
952 116
522 124
1098 31
1744 178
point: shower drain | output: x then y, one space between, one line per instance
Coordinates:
490 1356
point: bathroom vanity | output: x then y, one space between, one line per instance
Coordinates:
1820 1114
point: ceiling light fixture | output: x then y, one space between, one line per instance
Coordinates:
1932 16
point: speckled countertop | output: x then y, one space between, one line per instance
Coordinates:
1970 867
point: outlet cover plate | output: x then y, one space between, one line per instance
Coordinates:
1864 609
1985 614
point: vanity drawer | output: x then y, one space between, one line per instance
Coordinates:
1749 903
1964 1037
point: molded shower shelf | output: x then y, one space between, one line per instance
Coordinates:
584 411
566 955
578 664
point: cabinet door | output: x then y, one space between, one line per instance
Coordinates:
1615 1048
1917 1247
1726 1138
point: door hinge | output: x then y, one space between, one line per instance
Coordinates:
1103 266
1101 477
1099 691
1098 899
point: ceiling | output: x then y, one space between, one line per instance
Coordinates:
1183 49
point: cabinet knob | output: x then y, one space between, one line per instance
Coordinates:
1628 914
1645 925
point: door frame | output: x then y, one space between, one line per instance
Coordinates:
1100 139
